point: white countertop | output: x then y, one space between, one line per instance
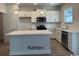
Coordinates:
69 30
30 32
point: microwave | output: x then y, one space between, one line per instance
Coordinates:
41 19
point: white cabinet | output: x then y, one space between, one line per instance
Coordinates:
25 14
53 16
70 41
24 23
73 42
57 35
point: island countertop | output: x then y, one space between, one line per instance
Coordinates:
30 32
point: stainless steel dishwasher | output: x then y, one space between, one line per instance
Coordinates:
64 38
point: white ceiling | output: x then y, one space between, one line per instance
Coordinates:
39 4
47 6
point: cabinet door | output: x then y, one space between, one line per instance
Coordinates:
59 34
75 43
28 14
21 14
70 41
48 16
52 16
25 14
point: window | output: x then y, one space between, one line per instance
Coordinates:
68 15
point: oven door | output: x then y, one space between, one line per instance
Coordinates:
41 27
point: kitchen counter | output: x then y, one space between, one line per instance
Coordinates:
72 31
29 42
30 32
69 30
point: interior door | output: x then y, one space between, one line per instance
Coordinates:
1 28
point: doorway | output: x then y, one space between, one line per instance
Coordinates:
1 28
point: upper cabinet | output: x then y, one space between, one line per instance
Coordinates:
53 16
25 14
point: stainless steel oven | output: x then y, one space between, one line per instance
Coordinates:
41 27
41 21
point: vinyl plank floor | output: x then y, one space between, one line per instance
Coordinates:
58 49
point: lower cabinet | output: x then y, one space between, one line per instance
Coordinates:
73 40
70 41
73 43
57 35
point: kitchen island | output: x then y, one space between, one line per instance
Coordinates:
29 42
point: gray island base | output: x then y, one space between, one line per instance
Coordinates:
30 42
